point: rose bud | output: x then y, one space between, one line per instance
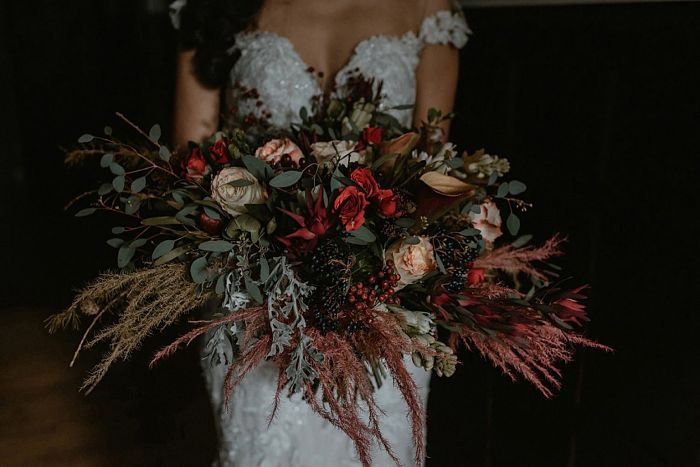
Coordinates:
210 225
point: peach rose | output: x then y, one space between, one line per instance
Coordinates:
412 262
273 151
487 221
233 198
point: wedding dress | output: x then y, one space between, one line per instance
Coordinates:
297 437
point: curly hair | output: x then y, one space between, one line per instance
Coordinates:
209 27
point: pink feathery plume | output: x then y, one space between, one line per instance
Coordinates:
513 260
206 326
521 338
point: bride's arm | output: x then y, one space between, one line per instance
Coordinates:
436 81
196 106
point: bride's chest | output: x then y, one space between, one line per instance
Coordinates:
271 79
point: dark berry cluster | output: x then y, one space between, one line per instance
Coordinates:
329 265
457 253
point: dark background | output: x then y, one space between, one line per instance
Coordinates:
598 109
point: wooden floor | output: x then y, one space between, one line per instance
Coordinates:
129 420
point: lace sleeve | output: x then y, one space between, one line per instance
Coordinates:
445 27
174 10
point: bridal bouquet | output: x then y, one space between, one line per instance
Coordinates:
334 249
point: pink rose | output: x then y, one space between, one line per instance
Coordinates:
412 261
274 151
487 221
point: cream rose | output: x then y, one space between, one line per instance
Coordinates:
328 153
487 221
234 198
412 262
273 150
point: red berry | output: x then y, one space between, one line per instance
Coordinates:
380 274
390 263
359 285
351 298
372 279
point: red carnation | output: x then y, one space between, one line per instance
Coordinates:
194 167
389 203
365 179
219 152
350 207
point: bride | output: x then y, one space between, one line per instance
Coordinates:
290 51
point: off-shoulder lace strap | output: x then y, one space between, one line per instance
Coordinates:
445 27
174 10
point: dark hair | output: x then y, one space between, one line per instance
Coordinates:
210 27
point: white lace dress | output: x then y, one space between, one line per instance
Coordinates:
297 437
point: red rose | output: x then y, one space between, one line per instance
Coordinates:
194 167
475 276
219 152
350 207
371 135
365 179
389 203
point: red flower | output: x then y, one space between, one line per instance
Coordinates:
315 225
370 135
194 167
219 152
350 207
569 309
365 179
475 276
389 203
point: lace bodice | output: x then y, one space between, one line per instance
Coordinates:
270 64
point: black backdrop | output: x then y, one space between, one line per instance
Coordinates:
598 108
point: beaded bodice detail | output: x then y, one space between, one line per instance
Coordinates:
270 64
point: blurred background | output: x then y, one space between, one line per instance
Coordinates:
596 106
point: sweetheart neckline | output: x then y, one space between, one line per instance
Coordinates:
408 35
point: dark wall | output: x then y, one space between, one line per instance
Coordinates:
598 109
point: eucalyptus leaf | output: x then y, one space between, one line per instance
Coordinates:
106 160
138 184
171 255
212 213
516 187
264 270
118 230
138 243
115 242
86 138
220 285
198 270
116 169
85 212
356 241
104 189
218 246
521 241
124 256
492 178
258 168
286 179
240 182
503 189
166 246
164 153
513 224
363 233
455 163
155 133
253 290
108 130
335 180
470 232
440 265
132 205
118 183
